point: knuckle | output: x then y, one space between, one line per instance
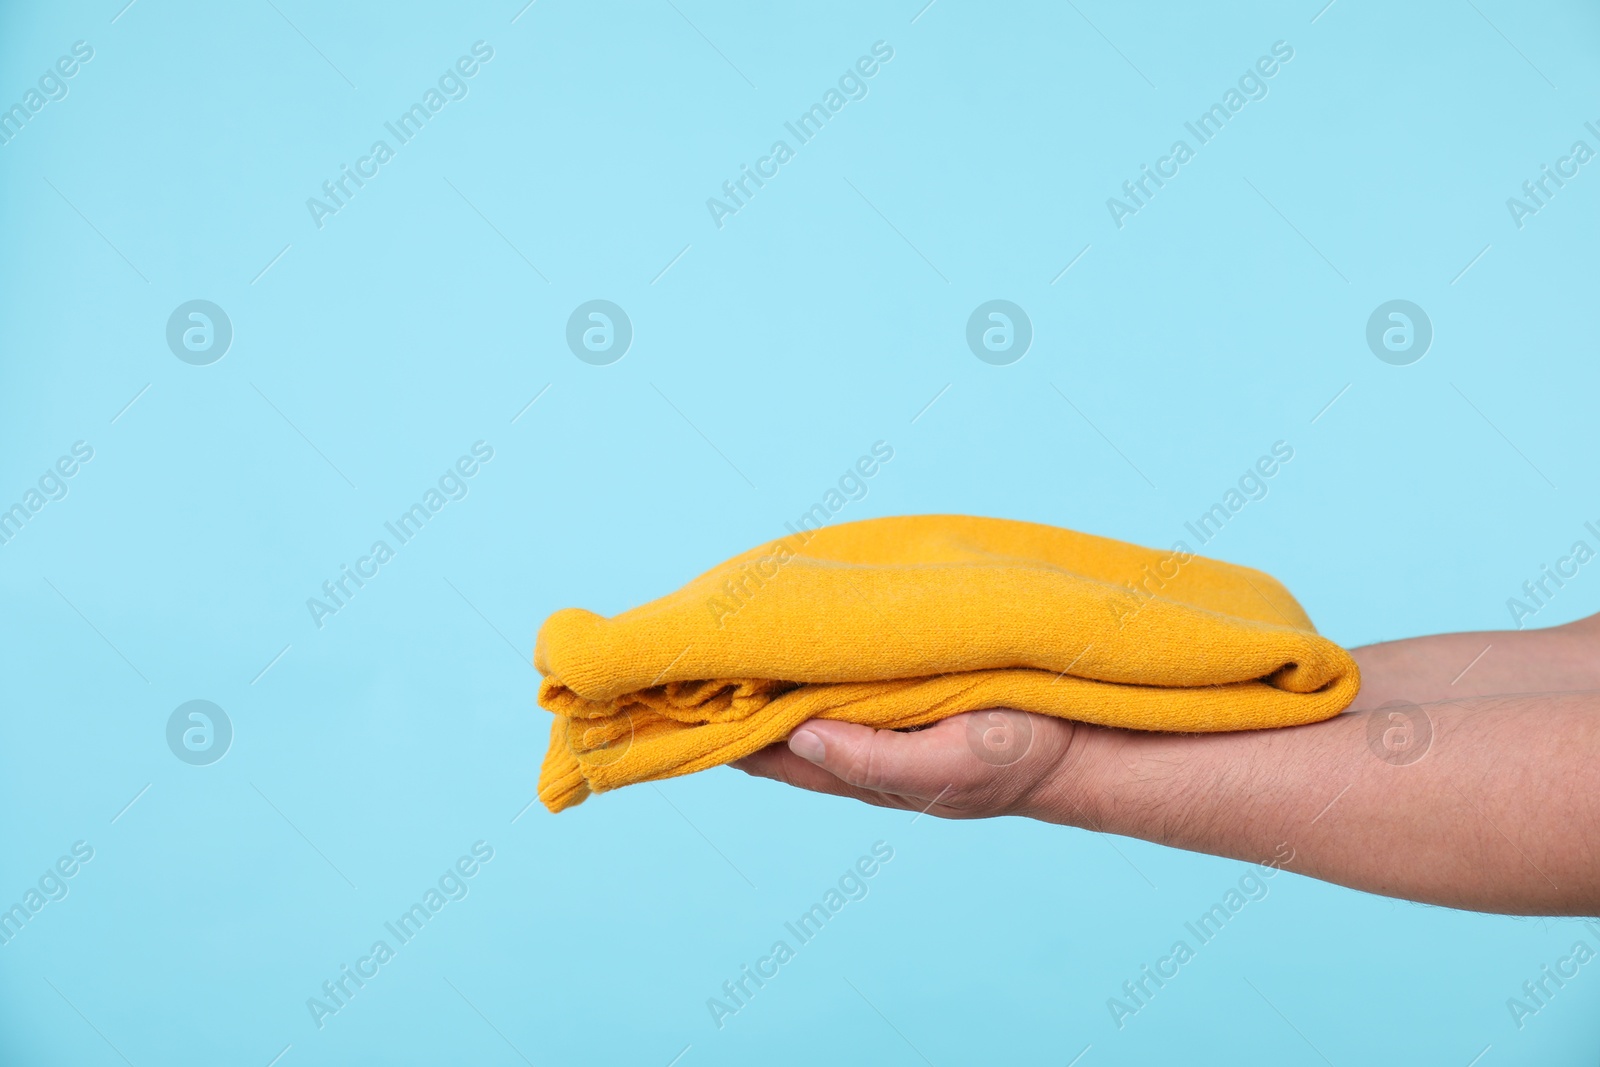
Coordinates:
867 765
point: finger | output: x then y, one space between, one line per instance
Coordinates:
924 764
781 765
778 763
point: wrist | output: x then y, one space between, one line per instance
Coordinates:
1076 791
1223 793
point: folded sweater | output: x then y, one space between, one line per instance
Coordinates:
899 622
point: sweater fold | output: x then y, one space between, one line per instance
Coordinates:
903 621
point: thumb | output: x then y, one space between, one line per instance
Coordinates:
922 764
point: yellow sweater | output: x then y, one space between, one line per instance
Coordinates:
899 622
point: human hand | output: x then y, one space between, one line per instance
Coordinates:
976 765
1484 816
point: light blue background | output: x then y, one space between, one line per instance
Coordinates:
821 318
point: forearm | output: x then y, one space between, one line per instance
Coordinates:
1500 813
1561 659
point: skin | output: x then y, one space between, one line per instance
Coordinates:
1498 812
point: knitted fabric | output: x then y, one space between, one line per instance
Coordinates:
899 622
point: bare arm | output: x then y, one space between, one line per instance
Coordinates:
1482 791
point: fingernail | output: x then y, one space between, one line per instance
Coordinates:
807 745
